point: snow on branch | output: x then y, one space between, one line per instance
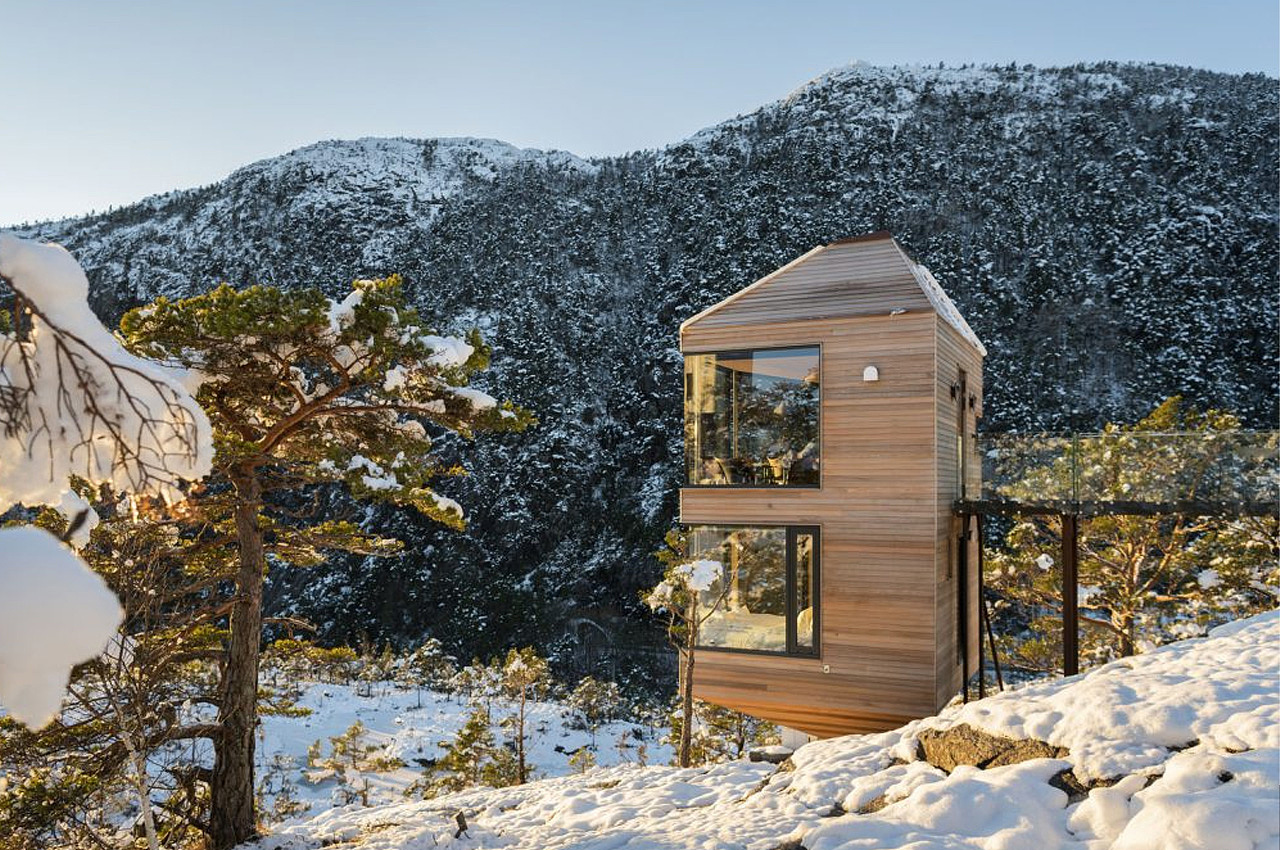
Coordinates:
74 402
681 580
54 613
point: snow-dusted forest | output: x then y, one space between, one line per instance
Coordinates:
339 493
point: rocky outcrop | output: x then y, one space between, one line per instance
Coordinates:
963 744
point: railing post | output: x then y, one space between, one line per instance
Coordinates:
1075 467
982 610
1070 594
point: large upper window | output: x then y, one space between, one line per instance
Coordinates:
765 597
751 417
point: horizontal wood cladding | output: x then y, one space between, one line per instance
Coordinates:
954 355
798 694
877 507
849 279
888 478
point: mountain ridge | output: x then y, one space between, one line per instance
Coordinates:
827 77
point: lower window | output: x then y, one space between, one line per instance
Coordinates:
765 598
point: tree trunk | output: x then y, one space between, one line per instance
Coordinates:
1128 640
232 819
522 774
1129 618
686 691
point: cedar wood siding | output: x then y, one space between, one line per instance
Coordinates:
953 354
887 605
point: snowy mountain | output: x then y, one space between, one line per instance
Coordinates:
382 195
1178 748
1110 232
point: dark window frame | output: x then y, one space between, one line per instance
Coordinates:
793 650
730 352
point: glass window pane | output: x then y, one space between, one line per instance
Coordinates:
751 417
749 601
805 556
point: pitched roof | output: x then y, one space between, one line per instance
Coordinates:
860 276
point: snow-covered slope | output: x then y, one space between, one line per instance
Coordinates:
380 194
412 728
1178 749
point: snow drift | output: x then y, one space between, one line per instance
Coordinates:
1178 748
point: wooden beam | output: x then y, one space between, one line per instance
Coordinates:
982 617
962 601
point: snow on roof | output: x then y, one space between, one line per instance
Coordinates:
944 306
938 299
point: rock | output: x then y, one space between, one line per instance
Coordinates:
1070 784
963 744
1067 782
875 804
775 754
1026 750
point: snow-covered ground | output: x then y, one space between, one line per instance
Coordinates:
1188 736
411 726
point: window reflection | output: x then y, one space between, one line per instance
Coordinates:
766 588
751 417
750 598
805 556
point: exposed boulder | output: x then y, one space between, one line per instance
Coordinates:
775 754
963 744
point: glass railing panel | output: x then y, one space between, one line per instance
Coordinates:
1225 467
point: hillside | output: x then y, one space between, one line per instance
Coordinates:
1178 748
1110 231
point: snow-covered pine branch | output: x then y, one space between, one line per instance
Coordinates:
72 402
344 391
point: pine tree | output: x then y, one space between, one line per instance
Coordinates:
688 595
465 757
595 702
726 734
126 708
525 676
305 393
428 666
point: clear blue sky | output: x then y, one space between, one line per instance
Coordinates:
106 102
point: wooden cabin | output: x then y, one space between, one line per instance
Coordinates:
830 418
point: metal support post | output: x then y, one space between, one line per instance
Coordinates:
1070 594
